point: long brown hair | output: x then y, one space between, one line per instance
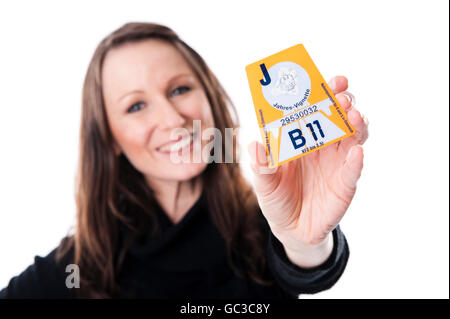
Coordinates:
111 193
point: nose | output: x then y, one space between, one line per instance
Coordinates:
168 115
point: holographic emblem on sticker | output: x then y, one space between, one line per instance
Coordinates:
296 110
287 82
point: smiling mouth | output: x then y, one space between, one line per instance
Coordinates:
186 141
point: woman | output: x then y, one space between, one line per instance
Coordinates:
150 227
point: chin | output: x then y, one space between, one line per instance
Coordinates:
184 171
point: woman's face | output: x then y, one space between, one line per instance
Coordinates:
149 90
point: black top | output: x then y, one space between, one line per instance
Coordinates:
188 260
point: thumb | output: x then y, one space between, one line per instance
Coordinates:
259 161
351 170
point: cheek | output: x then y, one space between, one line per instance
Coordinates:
197 108
207 115
131 136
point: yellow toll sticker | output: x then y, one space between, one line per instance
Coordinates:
296 110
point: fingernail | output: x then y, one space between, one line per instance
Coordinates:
262 158
350 152
332 84
351 98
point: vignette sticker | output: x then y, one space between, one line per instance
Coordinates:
296 110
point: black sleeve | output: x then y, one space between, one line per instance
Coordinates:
296 280
45 278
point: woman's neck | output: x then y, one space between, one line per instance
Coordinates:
175 197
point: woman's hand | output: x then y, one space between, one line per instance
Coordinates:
305 199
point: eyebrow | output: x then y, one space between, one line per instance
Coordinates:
171 80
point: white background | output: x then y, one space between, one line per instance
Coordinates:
394 53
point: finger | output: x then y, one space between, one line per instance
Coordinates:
360 124
351 170
338 84
259 161
344 101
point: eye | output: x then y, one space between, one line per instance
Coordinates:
180 90
135 107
